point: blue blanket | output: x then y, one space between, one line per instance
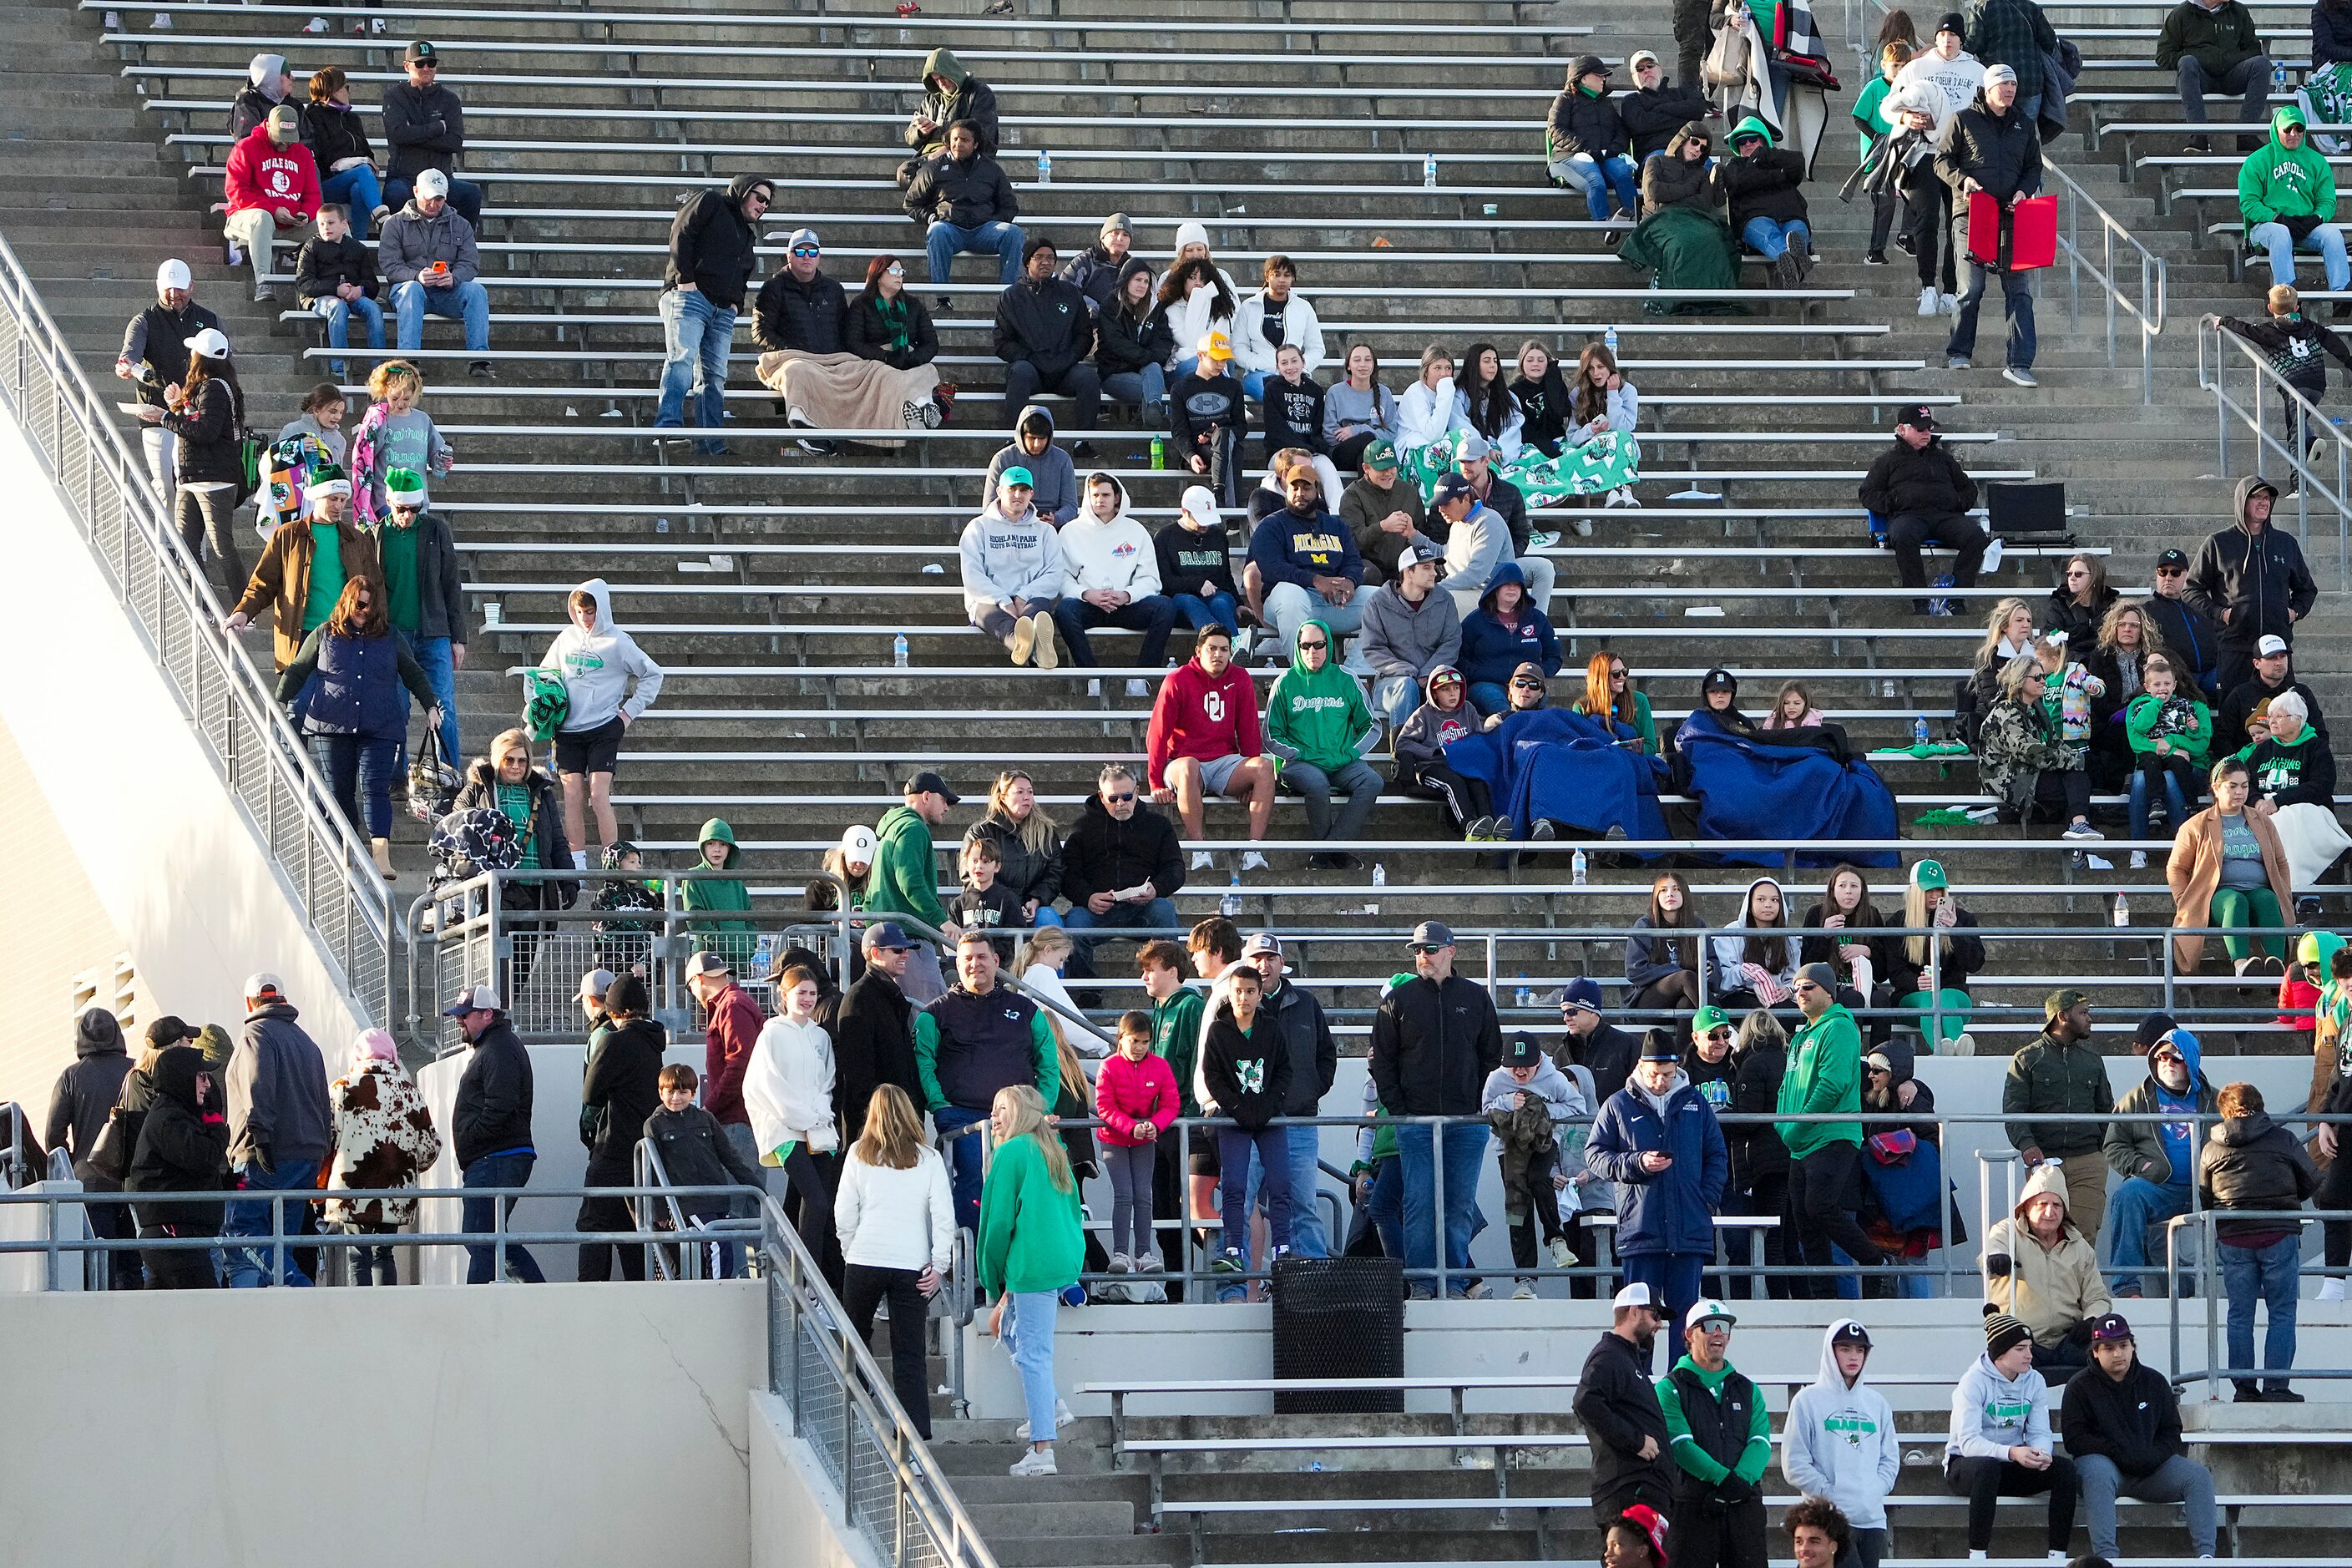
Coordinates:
1552 764
1747 788
1908 1192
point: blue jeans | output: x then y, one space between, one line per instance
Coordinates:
696 336
468 302
1271 1145
2270 1272
2138 1204
1672 1278
2016 294
1306 1237
1119 917
1151 615
1394 697
2326 239
338 313
945 241
357 189
441 671
1386 1206
1029 1339
1489 697
464 195
963 1160
1254 385
249 1267
1464 1156
478 1216
1217 610
358 770
1770 237
1599 180
2176 781
1147 387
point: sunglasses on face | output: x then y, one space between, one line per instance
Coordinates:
1721 1033
894 270
1418 948
1120 799
804 250
1312 647
2172 571
1527 685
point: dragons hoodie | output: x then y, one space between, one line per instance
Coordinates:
1992 1414
1839 1441
1318 717
598 665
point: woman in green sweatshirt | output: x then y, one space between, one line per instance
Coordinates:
1031 1240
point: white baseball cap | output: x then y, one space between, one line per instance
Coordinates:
211 343
1701 1311
432 182
858 844
1202 503
705 962
261 982
596 982
174 274
1637 1294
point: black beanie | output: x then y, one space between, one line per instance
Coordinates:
1953 22
2004 1333
2152 1028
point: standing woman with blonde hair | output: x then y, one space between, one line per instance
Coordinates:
1030 1242
896 1217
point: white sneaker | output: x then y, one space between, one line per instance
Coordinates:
1583 528
1240 642
2081 830
1024 639
1540 540
1927 300
1035 1462
2139 860
1951 304
2332 1289
1525 1291
1120 1263
1631 499
1616 499
1202 860
315 25
1253 861
1139 687
1560 1256
1047 656
1963 1045
1062 1417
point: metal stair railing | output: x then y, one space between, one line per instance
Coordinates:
321 863
2145 305
2252 395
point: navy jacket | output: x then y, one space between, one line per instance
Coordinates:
1673 1211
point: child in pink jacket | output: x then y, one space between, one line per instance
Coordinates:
1135 1095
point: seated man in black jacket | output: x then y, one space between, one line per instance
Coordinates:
1045 331
2122 1425
1925 495
334 276
967 203
1654 111
1119 866
802 321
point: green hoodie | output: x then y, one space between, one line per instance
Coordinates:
1696 1460
1032 1236
2278 765
2278 183
721 894
1318 717
1824 1077
943 62
1749 125
2141 727
906 876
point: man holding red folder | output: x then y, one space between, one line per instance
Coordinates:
1992 157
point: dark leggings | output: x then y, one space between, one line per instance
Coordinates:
865 1289
608 1214
1677 992
1769 1195
1927 220
211 514
2065 792
1982 1482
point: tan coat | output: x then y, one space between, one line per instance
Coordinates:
2195 871
281 582
2048 1289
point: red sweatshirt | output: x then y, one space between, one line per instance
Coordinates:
263 174
1199 716
734 1029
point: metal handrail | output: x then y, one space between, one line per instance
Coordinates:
323 864
2308 483
2146 308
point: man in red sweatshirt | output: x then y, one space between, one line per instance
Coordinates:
1204 741
273 189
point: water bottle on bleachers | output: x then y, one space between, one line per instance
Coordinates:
1609 341
898 650
1576 868
1044 167
1429 173
1919 731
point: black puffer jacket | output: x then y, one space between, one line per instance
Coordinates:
211 433
1755 1149
2079 622
1767 184
2252 1163
966 192
1124 345
1580 122
813 317
2001 152
426 128
868 338
181 1149
623 1086
1047 323
481 788
333 133
713 245
1671 180
1653 115
492 1113
1928 481
1030 874
2331 34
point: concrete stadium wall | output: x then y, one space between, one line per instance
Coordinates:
795 1511
481 1428
179 870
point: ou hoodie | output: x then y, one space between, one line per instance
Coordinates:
1318 717
604 673
1119 554
1203 716
1839 1441
1008 558
1056 492
1992 1414
2278 183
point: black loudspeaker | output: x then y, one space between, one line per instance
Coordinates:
2017 510
1338 1316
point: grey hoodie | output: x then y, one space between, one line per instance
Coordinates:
1839 1443
1058 495
277 1107
598 667
1401 639
1550 1085
1992 1414
1009 558
410 242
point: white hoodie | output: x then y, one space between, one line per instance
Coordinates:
1992 1414
1839 1443
598 665
1958 80
1117 554
1009 558
1424 415
1300 330
1731 947
788 1087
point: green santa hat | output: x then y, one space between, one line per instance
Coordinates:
405 486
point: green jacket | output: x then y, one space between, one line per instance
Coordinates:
1696 1460
2218 40
2141 729
1176 1036
727 894
1318 717
1824 1077
906 876
2276 182
2048 1077
1032 1237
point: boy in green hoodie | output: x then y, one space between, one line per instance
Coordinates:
705 895
904 880
2286 194
1824 1079
1318 727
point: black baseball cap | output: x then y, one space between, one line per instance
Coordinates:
1918 416
1593 65
421 50
2108 1327
930 783
2177 560
1850 1334
1522 1052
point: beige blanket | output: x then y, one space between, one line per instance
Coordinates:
843 392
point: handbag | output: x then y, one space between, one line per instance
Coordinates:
110 1153
1727 58
432 781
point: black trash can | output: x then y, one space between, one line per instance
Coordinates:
1338 1316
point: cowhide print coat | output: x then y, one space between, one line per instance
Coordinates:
384 1138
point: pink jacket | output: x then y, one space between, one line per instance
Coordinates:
1129 1093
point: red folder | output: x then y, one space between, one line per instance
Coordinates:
2030 232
